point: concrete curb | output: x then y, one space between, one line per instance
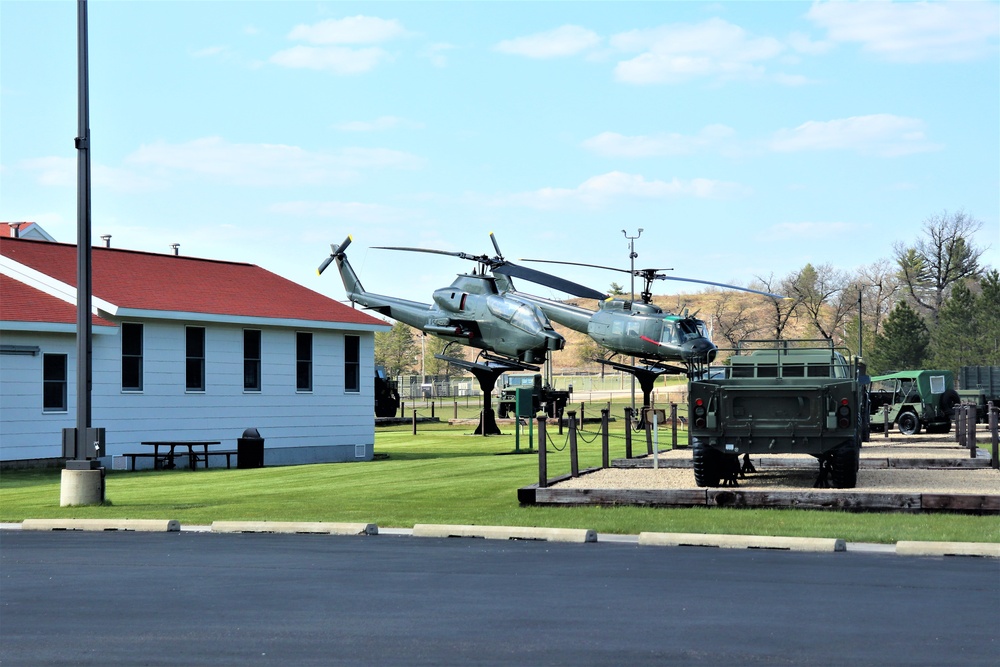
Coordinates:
982 549
313 527
506 532
742 541
145 525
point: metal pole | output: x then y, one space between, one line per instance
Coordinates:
574 462
628 432
971 420
542 447
631 259
605 457
993 435
84 284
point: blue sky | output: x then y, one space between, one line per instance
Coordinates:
746 139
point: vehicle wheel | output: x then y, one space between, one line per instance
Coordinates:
908 423
707 464
502 411
949 400
844 467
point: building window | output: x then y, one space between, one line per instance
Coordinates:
54 383
131 357
251 360
303 361
195 358
352 363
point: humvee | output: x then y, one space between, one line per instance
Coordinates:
916 399
779 397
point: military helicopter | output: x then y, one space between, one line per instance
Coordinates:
643 329
472 311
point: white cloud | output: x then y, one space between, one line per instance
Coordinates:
350 30
380 123
680 52
913 32
567 40
612 144
268 164
336 59
437 53
347 211
600 190
883 135
61 172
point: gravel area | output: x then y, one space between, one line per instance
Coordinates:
973 481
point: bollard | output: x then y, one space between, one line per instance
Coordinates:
647 418
628 432
581 413
971 419
456 410
402 409
885 419
414 422
961 430
605 455
673 427
574 462
543 478
995 440
432 409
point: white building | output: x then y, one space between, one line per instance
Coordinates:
183 349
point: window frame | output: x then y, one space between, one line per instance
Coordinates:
257 361
132 358
47 382
352 367
303 363
194 361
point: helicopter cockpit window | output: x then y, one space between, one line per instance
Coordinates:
520 315
688 329
669 335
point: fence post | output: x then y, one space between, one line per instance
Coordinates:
581 412
647 417
993 434
574 462
432 409
972 430
414 422
628 432
885 420
605 455
959 424
456 410
543 477
673 427
402 409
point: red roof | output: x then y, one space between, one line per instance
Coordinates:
21 303
172 283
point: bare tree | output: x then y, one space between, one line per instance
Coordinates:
823 296
780 312
734 318
880 286
944 255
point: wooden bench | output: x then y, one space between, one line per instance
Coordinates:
132 456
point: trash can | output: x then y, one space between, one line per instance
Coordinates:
250 450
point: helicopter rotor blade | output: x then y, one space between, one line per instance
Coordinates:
549 280
496 246
709 282
593 266
427 250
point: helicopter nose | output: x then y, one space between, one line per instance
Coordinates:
699 350
554 341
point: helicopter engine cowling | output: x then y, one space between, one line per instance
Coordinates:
450 299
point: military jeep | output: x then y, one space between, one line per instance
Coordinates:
916 399
779 397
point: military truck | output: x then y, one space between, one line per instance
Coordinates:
916 399
386 394
980 385
552 400
779 397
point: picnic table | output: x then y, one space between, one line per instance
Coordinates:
167 459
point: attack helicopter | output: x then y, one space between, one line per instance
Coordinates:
472 311
511 332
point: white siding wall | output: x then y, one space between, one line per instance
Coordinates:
323 425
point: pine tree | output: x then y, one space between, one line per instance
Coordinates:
988 308
395 349
902 344
957 339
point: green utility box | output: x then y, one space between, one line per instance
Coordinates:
524 402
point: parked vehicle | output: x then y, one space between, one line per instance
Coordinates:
543 397
980 385
781 397
922 399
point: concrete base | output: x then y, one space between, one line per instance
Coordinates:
81 487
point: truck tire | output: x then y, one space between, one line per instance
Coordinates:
908 423
502 411
844 467
949 399
707 464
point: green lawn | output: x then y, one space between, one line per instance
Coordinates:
443 475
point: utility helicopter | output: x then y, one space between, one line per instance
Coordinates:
638 329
